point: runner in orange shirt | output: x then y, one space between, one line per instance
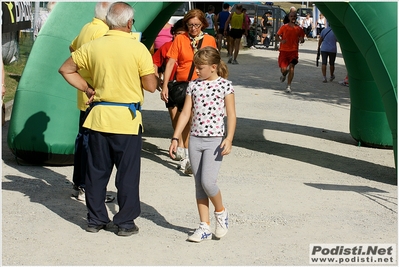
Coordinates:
289 35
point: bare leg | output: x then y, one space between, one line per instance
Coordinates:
332 69
203 206
203 209
174 116
230 45
186 134
219 41
290 74
236 47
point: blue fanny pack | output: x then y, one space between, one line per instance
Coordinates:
132 106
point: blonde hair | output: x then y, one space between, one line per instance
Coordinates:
208 56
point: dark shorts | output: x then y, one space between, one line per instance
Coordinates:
171 104
236 33
221 31
328 55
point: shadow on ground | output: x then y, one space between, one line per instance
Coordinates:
44 185
157 124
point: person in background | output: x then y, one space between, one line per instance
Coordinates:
208 141
246 25
307 24
221 19
92 30
182 53
286 18
210 16
115 120
267 28
160 59
163 36
237 22
327 46
42 18
289 35
321 24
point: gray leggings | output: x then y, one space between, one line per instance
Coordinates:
206 159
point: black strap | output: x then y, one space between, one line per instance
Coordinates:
190 75
326 34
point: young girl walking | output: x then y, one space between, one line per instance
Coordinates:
207 100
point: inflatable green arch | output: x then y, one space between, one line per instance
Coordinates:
44 119
370 53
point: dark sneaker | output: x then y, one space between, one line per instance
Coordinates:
96 228
282 78
128 232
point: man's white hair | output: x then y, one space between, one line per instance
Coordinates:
118 17
101 10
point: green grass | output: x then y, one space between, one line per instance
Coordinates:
14 70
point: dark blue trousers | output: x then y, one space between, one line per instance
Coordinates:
80 156
106 150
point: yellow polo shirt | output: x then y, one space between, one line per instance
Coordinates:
116 62
92 30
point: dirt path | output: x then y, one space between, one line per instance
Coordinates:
295 177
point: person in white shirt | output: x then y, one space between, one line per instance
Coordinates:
307 24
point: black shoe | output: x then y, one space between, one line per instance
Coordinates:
96 228
128 232
109 198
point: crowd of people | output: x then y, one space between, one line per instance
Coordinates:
111 122
110 94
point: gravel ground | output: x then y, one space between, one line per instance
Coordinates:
295 177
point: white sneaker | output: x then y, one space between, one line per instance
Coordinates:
179 154
185 165
82 195
75 191
201 233
182 164
187 168
288 90
222 223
